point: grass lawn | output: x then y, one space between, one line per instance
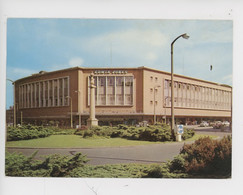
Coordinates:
74 141
197 136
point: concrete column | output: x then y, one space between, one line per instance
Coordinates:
58 94
48 93
39 95
63 91
43 94
92 121
124 90
27 95
35 103
31 96
53 93
115 90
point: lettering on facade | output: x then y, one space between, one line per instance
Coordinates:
110 72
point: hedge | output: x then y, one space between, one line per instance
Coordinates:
16 164
159 132
205 158
26 132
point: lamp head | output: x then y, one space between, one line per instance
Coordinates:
185 36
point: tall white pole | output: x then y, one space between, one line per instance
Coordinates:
92 121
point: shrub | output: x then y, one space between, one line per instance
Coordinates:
27 132
88 133
60 131
156 133
122 127
208 157
188 133
156 171
61 166
16 164
104 131
111 171
79 132
151 133
177 164
162 171
117 133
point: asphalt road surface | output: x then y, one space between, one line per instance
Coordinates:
154 153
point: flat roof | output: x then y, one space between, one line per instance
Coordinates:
34 75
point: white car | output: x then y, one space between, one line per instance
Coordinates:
204 124
226 123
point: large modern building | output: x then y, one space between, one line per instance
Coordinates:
122 95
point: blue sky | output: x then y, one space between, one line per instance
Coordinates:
51 44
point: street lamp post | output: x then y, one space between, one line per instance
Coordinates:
71 110
154 103
185 36
14 105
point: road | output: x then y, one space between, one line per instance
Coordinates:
155 153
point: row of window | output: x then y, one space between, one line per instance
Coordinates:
195 96
113 90
46 93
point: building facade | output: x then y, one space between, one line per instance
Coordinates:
122 95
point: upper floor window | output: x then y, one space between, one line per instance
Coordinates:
129 81
117 91
119 81
101 81
110 81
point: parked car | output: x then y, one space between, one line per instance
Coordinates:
211 123
226 123
217 125
204 124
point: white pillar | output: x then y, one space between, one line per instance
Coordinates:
92 121
178 137
58 99
53 93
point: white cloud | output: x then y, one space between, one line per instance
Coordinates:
227 79
15 73
151 56
218 37
73 62
22 71
133 37
57 67
76 61
138 44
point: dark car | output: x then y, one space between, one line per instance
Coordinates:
217 125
